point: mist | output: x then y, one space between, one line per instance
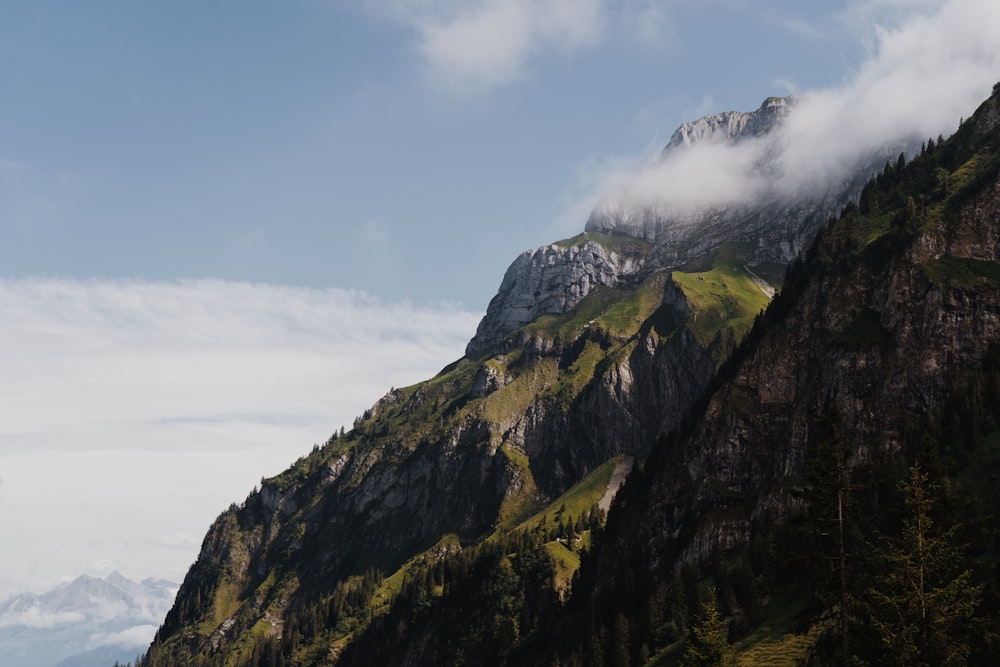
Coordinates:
137 411
923 76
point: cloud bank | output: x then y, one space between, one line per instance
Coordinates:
927 71
136 411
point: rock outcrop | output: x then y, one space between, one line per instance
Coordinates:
731 126
550 281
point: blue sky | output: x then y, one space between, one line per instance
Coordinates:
337 144
228 227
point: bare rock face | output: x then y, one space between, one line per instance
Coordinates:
881 339
731 125
550 281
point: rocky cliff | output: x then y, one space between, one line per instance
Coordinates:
884 344
594 362
553 279
731 126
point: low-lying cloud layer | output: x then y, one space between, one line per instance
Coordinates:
926 72
136 411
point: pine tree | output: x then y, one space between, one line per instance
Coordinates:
922 605
708 644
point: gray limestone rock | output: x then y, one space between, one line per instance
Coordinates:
550 280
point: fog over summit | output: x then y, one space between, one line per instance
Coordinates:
923 76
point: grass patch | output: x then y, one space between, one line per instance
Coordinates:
724 301
617 242
579 498
963 272
566 562
626 315
512 400
522 504
568 384
773 643
225 603
617 310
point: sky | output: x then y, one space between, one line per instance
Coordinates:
227 228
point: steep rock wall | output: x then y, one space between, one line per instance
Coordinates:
878 332
550 281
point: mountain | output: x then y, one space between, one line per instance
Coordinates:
881 353
111 618
746 192
462 520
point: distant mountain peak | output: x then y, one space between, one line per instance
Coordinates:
86 613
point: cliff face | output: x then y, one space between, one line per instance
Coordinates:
550 281
887 321
604 364
731 126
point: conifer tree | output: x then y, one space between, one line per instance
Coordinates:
923 604
708 643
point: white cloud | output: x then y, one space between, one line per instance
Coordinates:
135 412
38 618
927 71
482 44
138 636
798 26
595 177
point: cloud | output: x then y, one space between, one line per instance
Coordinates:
928 69
483 44
928 72
38 618
138 636
798 26
136 411
178 541
375 231
199 354
648 21
595 178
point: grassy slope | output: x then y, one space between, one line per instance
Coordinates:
724 301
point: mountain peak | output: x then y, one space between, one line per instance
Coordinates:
86 612
732 126
724 178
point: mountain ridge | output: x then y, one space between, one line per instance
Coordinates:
113 616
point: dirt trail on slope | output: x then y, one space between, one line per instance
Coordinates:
617 479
